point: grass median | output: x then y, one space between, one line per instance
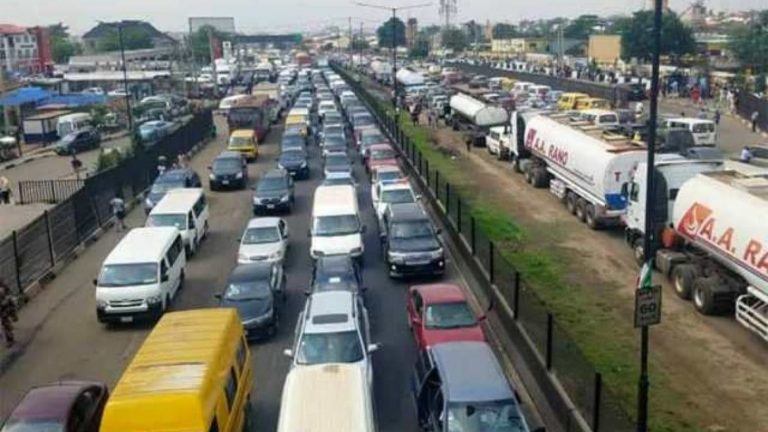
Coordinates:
597 322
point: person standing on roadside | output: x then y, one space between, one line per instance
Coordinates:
118 210
8 313
755 115
5 190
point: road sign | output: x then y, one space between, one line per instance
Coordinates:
648 306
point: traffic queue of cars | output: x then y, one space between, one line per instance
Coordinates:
202 355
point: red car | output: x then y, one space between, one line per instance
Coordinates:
379 155
67 406
441 313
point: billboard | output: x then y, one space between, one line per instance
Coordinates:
222 24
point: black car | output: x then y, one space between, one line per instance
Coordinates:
254 289
635 92
173 179
274 191
334 144
292 142
336 273
229 170
336 162
76 142
410 242
294 161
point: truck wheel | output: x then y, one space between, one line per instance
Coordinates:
590 217
529 174
570 202
683 276
581 209
540 178
703 295
516 166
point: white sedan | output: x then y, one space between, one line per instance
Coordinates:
265 240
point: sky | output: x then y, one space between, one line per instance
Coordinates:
253 16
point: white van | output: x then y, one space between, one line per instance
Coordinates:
333 397
336 225
141 276
703 131
186 210
70 123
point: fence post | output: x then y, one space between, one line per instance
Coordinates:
516 295
53 191
458 213
17 260
448 199
472 233
50 237
596 402
21 193
549 342
426 173
491 262
437 184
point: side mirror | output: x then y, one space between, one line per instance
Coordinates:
288 353
439 231
417 321
217 296
164 278
237 240
309 233
363 288
482 318
372 348
307 293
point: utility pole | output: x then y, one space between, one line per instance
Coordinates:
649 240
212 52
350 48
125 77
360 43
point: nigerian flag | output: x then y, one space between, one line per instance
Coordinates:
646 276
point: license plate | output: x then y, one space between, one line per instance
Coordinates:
270 206
292 173
126 319
225 182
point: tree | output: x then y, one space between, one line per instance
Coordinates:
504 31
384 33
359 43
637 39
581 27
62 47
133 39
749 43
421 47
430 30
454 39
200 44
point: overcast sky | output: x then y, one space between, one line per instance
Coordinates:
293 15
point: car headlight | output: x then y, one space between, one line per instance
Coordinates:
357 251
256 200
243 257
396 258
285 199
239 175
212 176
437 253
275 255
303 165
148 202
152 300
101 304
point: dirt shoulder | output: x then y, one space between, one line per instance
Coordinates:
708 373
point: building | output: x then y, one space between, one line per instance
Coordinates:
567 47
25 50
519 45
604 49
94 37
251 43
143 59
411 30
712 44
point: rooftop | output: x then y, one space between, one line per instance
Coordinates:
484 381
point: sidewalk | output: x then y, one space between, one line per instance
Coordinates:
31 152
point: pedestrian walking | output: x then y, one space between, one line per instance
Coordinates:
5 190
118 211
468 142
162 165
717 116
8 313
746 155
755 115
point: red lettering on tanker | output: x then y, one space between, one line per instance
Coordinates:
553 153
699 222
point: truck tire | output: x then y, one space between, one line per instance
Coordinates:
590 217
516 166
581 209
704 295
570 202
540 178
683 276
529 174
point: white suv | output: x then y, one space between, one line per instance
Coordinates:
396 192
333 328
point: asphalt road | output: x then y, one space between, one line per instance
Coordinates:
69 342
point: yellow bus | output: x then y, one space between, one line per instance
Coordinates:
193 373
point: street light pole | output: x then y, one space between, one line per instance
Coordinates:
649 239
125 76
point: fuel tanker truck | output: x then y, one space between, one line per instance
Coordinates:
475 117
587 168
711 238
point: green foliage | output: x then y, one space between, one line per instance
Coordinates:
760 85
62 47
98 113
420 48
505 31
133 39
454 39
749 43
359 43
200 43
581 27
108 158
637 38
386 30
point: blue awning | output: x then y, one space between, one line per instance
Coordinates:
23 96
74 100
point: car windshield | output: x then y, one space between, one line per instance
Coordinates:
373 139
496 416
69 138
269 184
292 155
319 348
382 154
386 176
120 275
336 225
228 164
397 196
333 130
409 230
41 425
261 235
239 141
363 120
168 220
332 118
245 291
336 159
337 181
165 186
449 316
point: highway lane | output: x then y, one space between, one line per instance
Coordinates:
71 344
